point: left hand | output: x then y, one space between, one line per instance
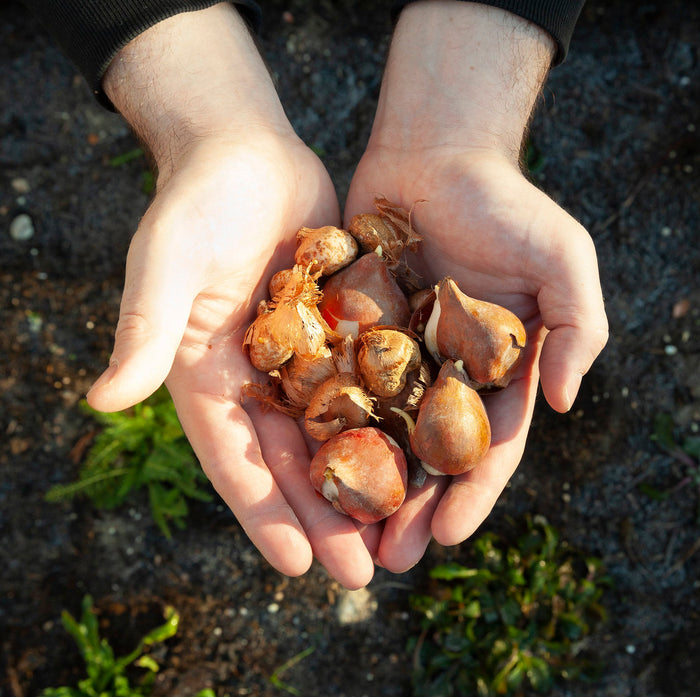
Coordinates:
453 141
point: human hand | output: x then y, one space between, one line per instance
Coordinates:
234 185
459 87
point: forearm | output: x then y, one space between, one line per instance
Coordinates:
461 73
193 75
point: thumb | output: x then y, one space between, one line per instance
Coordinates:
573 312
155 308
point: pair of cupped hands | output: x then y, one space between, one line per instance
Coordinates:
234 185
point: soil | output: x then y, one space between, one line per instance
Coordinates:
618 134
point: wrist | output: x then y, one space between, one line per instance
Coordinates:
460 74
190 76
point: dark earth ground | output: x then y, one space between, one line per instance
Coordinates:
619 132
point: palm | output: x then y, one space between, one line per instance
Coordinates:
501 239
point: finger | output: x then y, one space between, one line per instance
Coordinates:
572 309
407 532
155 307
470 497
224 440
371 537
336 541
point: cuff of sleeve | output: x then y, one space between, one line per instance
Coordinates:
91 34
557 17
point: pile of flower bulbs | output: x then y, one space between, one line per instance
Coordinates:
385 374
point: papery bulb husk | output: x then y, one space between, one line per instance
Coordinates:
363 295
373 232
295 285
309 335
327 249
338 404
268 340
271 396
400 219
488 338
385 357
362 473
301 377
278 281
408 400
344 356
452 433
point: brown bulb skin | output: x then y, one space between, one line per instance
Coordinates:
362 472
385 358
363 295
452 433
488 338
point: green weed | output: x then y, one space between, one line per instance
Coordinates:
141 448
683 449
511 622
147 179
107 674
276 677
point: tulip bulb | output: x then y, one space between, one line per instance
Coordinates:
362 472
488 338
363 295
338 404
327 249
452 432
385 357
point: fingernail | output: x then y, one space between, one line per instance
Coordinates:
571 390
106 377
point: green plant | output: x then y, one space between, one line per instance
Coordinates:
683 449
511 622
107 674
276 677
141 448
148 181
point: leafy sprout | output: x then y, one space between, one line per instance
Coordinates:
141 448
512 621
683 449
106 673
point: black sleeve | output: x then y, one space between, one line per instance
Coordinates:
557 17
91 32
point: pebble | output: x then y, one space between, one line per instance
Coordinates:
22 228
355 606
20 185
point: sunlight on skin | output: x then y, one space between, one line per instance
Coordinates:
407 532
470 497
223 438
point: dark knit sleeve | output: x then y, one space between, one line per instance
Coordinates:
91 32
557 17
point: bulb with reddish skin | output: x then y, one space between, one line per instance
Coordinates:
363 295
452 432
488 338
362 472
